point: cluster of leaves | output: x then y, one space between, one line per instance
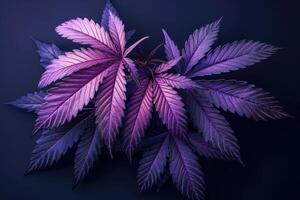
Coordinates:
93 89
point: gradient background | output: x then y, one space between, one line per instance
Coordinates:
269 149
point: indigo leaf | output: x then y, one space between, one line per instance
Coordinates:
105 14
47 52
129 34
198 43
153 163
185 170
171 49
211 123
242 98
207 150
31 102
233 56
55 143
88 150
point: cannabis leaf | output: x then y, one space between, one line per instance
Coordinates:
53 144
183 166
47 52
242 98
89 148
153 163
93 89
87 70
156 88
185 170
31 102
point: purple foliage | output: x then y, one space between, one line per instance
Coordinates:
32 102
242 98
233 56
206 149
116 93
211 124
153 163
185 170
88 150
47 52
138 115
53 144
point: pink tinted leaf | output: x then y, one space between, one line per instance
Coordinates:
170 108
70 63
86 32
87 153
117 33
153 163
138 115
211 124
163 67
129 49
233 56
243 99
132 69
199 43
185 170
177 81
110 104
64 102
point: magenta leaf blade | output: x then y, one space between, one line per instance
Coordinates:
138 115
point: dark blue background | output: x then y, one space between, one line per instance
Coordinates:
269 149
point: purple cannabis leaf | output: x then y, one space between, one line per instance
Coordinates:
65 101
242 98
138 115
31 102
153 163
47 52
185 170
53 144
88 150
105 18
233 56
87 69
198 44
211 124
156 88
72 62
206 149
93 88
108 8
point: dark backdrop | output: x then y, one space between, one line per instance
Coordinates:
269 149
